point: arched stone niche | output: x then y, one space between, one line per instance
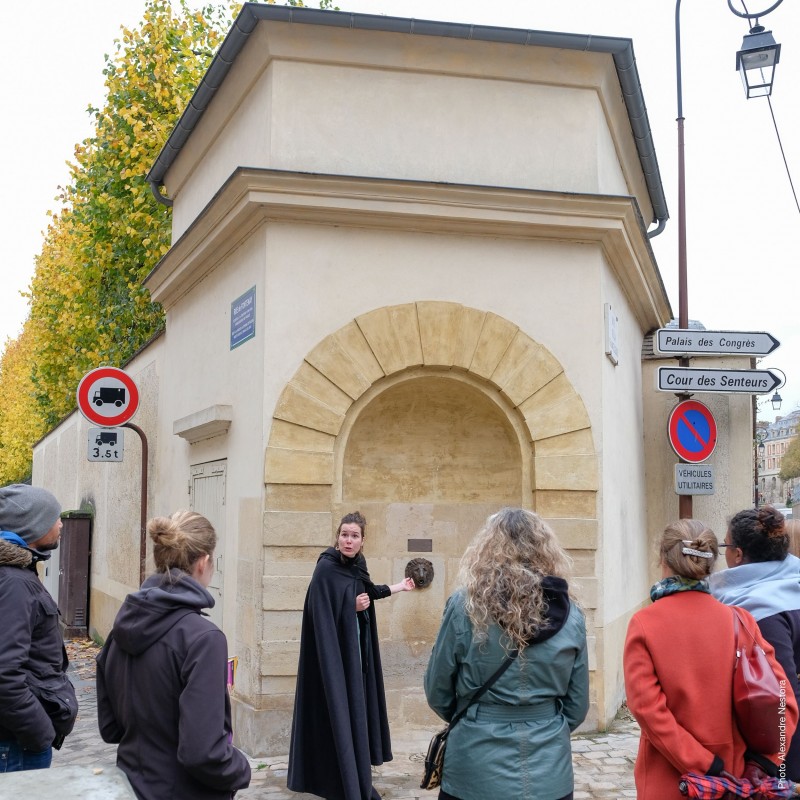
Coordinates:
430 436
427 455
427 417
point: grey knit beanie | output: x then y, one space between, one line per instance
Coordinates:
28 511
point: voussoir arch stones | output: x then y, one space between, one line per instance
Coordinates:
475 344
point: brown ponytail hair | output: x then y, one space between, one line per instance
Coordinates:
180 540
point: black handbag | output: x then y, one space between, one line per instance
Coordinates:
434 758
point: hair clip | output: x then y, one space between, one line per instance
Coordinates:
690 551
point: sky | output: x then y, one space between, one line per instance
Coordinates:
742 220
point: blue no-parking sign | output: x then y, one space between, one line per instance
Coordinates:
692 431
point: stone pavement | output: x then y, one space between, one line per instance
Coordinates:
603 761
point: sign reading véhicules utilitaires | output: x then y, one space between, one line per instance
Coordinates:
683 342
694 479
733 381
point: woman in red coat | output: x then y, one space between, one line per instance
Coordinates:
678 661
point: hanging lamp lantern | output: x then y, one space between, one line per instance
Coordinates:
756 62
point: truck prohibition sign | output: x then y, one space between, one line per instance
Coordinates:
107 396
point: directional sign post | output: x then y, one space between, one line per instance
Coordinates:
107 396
692 431
733 381
682 342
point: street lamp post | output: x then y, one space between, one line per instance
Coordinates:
684 500
756 62
758 453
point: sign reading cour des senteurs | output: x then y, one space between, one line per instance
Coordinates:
691 342
737 381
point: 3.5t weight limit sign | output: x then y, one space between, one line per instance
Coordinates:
108 397
692 431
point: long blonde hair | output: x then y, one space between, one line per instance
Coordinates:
502 573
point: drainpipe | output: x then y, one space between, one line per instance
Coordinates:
162 198
662 223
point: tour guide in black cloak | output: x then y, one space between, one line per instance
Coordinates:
340 725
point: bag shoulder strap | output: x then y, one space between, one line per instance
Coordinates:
498 672
738 624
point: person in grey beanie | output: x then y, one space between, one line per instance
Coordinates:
37 700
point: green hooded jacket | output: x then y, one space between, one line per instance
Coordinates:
515 742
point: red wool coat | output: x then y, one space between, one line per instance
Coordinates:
678 661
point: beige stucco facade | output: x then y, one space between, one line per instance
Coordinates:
437 231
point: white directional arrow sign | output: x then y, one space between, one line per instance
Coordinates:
733 381
678 341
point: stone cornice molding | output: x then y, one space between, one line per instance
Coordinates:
253 197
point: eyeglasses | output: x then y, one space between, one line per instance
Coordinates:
723 544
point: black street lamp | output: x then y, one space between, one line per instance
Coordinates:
776 398
757 59
756 62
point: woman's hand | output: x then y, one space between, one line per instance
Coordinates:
406 585
362 602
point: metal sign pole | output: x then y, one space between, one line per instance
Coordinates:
143 503
684 501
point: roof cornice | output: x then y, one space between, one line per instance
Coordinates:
620 49
251 198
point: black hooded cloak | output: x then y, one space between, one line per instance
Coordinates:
340 727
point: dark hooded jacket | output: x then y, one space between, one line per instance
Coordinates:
162 695
37 700
340 725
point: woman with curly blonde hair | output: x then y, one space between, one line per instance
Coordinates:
513 603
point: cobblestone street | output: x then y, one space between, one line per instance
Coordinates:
603 761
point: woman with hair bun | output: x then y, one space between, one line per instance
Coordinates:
514 742
162 675
764 578
678 662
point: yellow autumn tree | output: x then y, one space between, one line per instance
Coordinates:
87 304
19 427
